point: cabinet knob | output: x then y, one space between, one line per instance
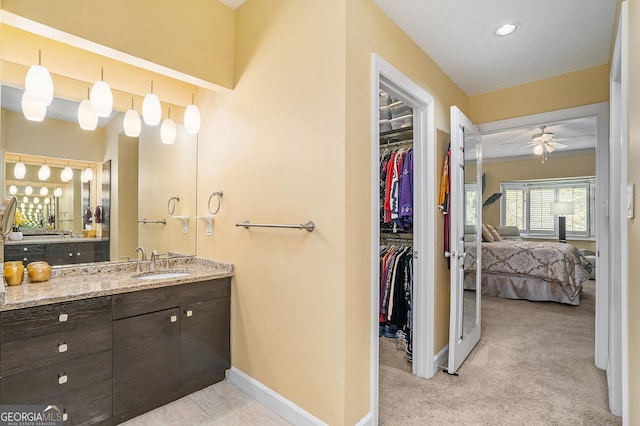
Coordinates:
62 348
189 313
25 249
62 379
70 254
63 317
174 318
25 259
78 254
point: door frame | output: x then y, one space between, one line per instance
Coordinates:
424 136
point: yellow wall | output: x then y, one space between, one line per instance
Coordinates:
160 31
578 88
634 225
559 166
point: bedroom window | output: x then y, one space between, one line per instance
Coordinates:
526 204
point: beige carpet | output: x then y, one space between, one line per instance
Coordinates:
533 366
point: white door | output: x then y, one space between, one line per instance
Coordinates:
465 238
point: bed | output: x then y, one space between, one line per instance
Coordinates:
538 271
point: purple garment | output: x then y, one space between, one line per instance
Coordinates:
405 204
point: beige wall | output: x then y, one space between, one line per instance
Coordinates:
125 203
559 166
160 31
578 88
634 225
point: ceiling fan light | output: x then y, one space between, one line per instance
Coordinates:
19 170
168 131
538 149
39 85
550 147
101 99
151 110
87 119
44 172
32 111
192 119
132 124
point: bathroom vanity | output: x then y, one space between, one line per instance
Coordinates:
108 344
58 251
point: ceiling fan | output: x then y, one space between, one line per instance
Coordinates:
545 142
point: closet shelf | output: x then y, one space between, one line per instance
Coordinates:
397 135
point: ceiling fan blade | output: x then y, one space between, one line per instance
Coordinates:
525 147
559 145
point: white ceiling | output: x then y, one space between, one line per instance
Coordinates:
554 37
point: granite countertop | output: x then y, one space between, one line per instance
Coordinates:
51 240
102 279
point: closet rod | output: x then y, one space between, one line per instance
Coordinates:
309 226
390 144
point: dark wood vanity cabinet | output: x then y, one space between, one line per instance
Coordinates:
25 252
59 253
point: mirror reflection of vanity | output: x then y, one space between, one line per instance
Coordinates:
133 177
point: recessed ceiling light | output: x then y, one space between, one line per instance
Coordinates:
506 29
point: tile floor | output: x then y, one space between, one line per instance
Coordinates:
219 404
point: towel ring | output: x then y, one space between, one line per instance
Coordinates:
216 194
171 208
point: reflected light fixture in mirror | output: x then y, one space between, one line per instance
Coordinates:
44 172
151 109
132 124
168 130
101 97
13 190
66 174
28 190
57 192
19 170
31 110
38 83
47 200
192 118
87 119
44 191
86 175
36 200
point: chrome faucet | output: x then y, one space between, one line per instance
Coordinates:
152 263
144 254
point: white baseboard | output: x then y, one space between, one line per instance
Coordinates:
272 400
440 359
366 421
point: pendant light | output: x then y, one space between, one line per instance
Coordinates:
44 172
87 119
87 174
31 110
44 191
47 201
38 84
132 124
57 192
192 117
66 174
101 97
36 200
13 190
151 109
28 190
19 170
25 199
168 130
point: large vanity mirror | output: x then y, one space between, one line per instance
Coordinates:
123 206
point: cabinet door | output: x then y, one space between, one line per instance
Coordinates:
204 343
146 355
60 253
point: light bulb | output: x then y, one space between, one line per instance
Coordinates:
31 110
44 172
132 123
47 201
39 206
101 99
28 190
168 131
57 192
88 174
192 119
25 199
66 175
151 110
30 205
87 119
44 191
36 200
38 85
19 170
13 190
538 149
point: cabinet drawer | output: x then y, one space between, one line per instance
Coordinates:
26 253
30 322
39 384
145 301
26 354
88 405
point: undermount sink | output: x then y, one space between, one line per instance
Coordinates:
162 275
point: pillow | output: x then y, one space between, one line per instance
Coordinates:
486 234
494 233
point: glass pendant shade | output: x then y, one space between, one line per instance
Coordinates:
192 119
44 191
44 172
13 190
88 174
57 192
28 190
168 131
66 175
538 149
19 170
132 124
151 110
87 119
31 110
47 201
38 85
25 199
36 200
101 99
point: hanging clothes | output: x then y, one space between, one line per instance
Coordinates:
445 195
396 190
